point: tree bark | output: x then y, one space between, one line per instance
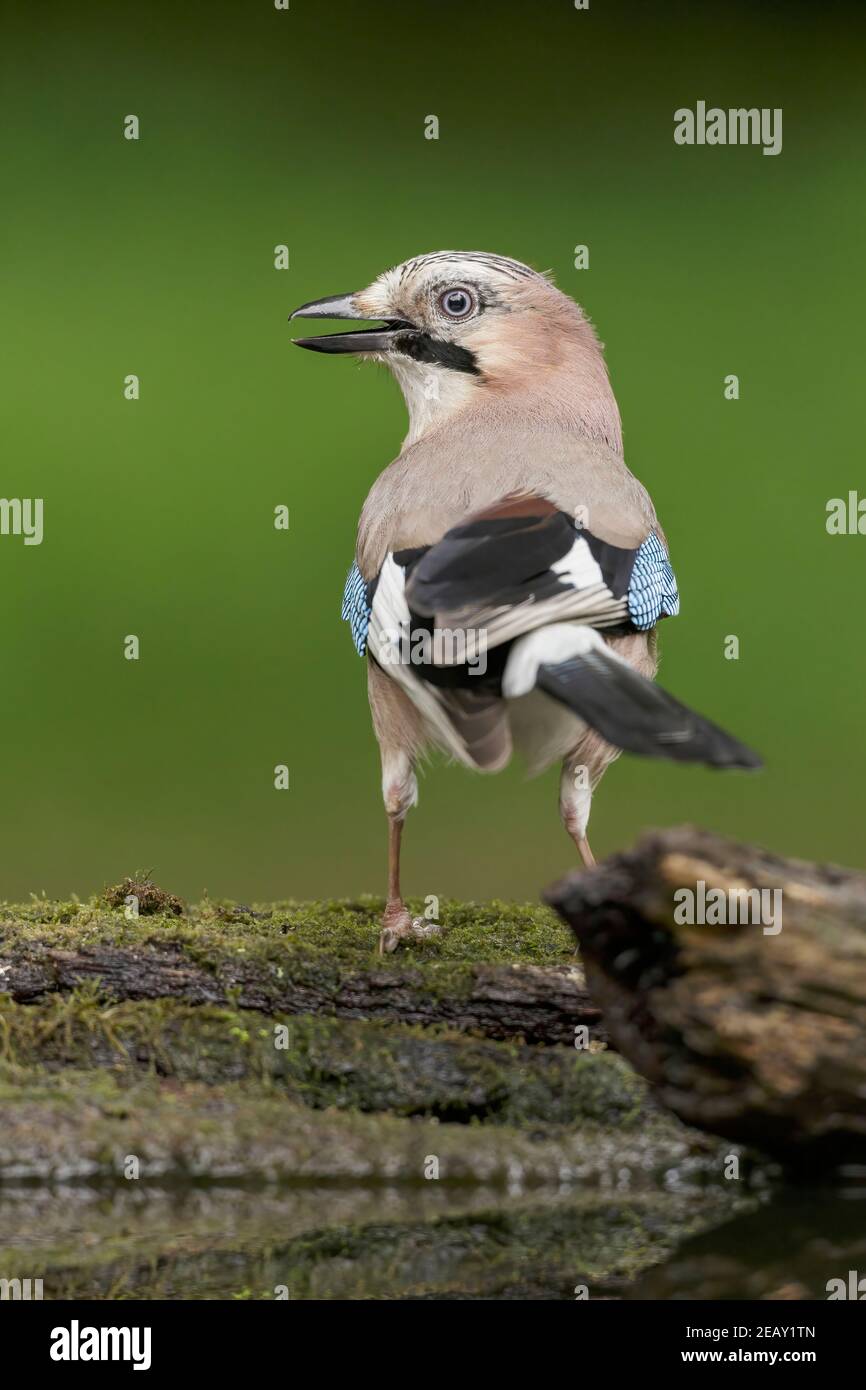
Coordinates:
542 1004
750 1032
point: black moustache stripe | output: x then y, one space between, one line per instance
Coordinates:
423 347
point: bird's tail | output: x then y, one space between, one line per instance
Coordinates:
575 666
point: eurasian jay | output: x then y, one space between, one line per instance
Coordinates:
510 571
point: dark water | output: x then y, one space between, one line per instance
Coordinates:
789 1248
427 1242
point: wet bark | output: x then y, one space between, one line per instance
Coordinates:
752 1029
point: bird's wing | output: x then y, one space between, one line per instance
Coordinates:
515 566
521 592
357 605
572 663
523 563
468 724
441 618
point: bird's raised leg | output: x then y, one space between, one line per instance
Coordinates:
400 792
586 854
575 799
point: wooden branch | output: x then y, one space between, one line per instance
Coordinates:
543 1004
755 1031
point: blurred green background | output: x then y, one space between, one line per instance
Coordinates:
305 127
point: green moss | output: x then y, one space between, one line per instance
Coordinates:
200 1095
344 929
150 900
82 1124
344 1063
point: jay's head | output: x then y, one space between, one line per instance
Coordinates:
456 327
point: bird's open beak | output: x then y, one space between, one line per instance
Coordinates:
342 306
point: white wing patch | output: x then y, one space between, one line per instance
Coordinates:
389 619
552 644
579 566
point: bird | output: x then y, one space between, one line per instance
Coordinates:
510 571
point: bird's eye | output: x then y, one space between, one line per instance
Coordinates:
457 304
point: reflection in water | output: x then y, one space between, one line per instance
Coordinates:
787 1249
429 1241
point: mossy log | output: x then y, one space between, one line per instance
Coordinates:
326 1062
226 1043
500 970
86 1125
228 1100
752 1029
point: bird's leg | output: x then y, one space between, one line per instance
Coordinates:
585 852
400 791
395 920
575 799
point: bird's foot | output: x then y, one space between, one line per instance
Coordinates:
398 923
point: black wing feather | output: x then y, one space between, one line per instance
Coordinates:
493 559
633 713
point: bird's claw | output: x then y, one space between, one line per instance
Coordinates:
398 924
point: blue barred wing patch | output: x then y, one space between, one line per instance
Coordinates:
652 589
356 609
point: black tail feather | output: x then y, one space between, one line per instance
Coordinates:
633 713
